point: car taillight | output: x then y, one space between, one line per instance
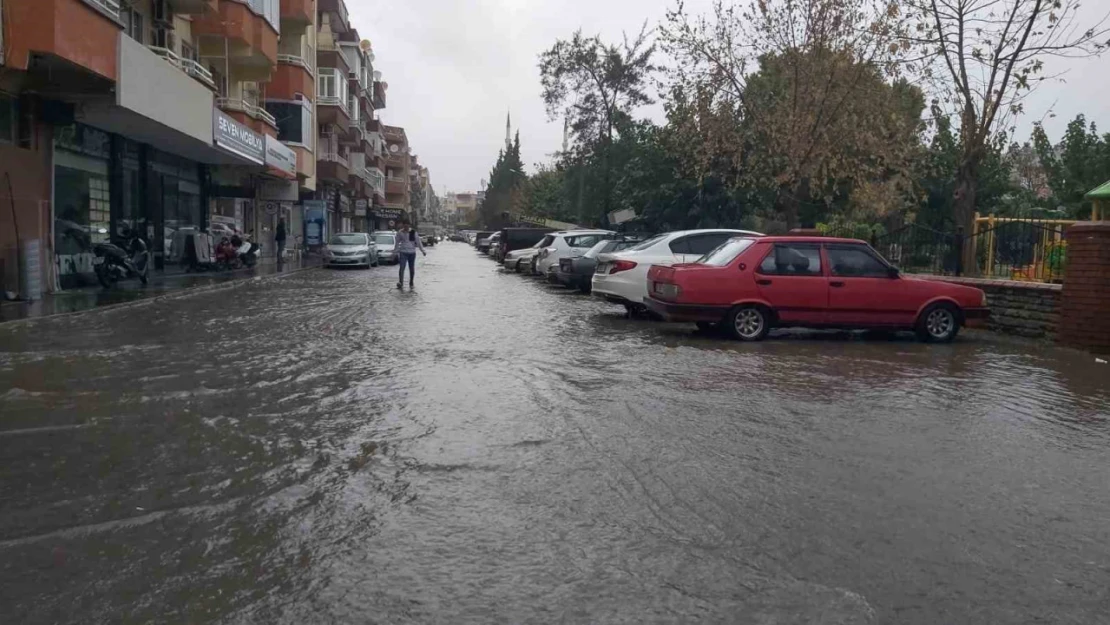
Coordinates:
621 265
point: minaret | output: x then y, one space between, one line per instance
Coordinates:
508 132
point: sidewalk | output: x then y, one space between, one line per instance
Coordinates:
132 290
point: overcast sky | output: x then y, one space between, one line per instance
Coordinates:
454 68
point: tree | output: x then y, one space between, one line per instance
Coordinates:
1079 163
545 194
504 195
983 58
795 93
595 85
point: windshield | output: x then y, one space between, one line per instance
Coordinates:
348 239
646 244
726 252
383 239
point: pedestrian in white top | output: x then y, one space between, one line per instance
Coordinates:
408 241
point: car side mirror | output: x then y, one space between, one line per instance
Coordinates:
892 272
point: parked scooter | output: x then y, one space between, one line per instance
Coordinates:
247 251
113 263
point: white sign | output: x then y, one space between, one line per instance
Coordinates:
280 157
237 138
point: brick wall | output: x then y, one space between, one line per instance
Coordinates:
1085 305
1028 309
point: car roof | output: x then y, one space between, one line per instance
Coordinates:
809 239
342 234
582 231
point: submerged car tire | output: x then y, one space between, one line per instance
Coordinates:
939 323
748 323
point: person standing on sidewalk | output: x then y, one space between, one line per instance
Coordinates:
279 239
408 241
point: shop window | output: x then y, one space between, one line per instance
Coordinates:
9 118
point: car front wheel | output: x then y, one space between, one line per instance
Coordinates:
938 324
749 323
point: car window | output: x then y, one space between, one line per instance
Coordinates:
602 247
623 245
348 239
702 244
646 244
791 259
547 240
855 261
726 252
584 240
383 239
680 245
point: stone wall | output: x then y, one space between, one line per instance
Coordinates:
1028 309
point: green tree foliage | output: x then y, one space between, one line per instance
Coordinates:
505 193
596 86
1078 163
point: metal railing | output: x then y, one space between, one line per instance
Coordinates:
189 66
246 106
300 61
112 7
1030 250
335 157
332 101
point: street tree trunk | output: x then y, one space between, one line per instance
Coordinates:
963 209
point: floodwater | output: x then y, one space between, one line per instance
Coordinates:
322 448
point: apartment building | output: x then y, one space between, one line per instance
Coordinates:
165 117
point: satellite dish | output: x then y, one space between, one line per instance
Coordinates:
364 45
394 148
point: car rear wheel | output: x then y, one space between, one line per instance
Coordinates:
940 323
749 323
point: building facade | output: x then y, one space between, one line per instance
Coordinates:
171 117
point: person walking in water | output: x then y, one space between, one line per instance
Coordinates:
408 241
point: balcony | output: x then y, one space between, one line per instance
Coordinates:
333 167
189 66
336 13
191 7
292 76
251 41
379 94
332 110
396 185
298 12
263 121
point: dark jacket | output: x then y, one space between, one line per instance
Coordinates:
280 234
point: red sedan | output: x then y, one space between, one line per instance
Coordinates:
751 285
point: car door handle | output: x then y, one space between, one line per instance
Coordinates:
837 283
763 282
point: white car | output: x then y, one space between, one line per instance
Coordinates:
521 260
621 277
353 249
567 244
386 242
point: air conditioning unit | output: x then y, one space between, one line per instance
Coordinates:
163 38
163 13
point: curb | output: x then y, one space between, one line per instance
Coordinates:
146 301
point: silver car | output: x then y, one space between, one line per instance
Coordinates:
387 246
351 249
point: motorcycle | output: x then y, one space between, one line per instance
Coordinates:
248 253
113 264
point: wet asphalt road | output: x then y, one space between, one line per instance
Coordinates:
321 448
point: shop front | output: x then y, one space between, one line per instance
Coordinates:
386 218
108 187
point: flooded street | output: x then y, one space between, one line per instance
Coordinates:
321 448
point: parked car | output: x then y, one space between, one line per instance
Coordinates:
492 245
621 277
566 244
750 286
386 244
351 249
521 260
513 239
577 272
481 241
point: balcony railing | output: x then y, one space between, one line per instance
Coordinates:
294 59
189 66
332 101
335 157
111 7
248 107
